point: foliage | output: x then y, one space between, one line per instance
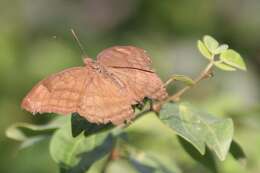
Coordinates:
79 146
228 60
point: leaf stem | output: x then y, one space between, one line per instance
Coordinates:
206 73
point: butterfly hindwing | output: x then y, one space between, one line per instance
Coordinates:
141 83
104 101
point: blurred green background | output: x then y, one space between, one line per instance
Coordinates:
35 41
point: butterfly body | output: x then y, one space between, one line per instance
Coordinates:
102 91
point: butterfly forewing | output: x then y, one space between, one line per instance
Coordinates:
125 56
59 93
131 65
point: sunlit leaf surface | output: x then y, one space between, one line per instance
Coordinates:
210 43
231 57
199 128
79 153
204 50
224 66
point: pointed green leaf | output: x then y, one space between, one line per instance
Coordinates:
171 116
32 141
22 131
78 153
203 50
221 49
185 79
199 128
210 43
224 66
233 58
30 134
207 160
145 162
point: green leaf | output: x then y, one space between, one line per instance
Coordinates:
93 157
204 50
237 152
22 131
144 162
120 165
185 79
171 116
79 153
33 140
80 124
210 43
30 134
199 128
224 66
206 160
140 167
233 58
147 164
221 49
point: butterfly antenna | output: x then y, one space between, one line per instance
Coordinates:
78 42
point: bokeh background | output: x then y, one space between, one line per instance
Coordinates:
35 41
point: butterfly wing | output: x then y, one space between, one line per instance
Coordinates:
59 93
131 65
99 96
125 57
104 101
141 83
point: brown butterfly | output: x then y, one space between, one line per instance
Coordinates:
102 91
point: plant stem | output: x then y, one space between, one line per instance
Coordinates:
206 73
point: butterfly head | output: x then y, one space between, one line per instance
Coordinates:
88 61
92 64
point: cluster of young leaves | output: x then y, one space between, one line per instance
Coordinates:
79 146
223 58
